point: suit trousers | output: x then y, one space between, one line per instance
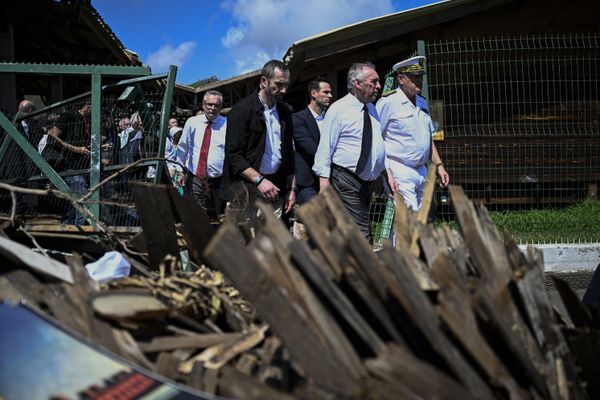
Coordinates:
356 195
206 194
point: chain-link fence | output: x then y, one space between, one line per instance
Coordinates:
520 118
61 134
519 123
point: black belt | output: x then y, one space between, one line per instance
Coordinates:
348 171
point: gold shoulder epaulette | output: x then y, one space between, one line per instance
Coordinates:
388 93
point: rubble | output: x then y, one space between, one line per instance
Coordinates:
442 314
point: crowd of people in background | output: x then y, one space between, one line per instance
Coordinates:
265 151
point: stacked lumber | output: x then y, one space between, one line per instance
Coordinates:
441 315
263 315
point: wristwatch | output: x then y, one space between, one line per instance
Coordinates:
258 180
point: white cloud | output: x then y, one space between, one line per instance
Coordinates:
253 62
167 55
269 27
232 37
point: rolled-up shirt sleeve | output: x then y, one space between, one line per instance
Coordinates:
330 133
183 148
383 111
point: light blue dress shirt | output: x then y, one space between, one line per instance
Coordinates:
341 139
271 160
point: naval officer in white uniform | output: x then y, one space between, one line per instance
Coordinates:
407 132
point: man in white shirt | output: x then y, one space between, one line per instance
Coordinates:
408 133
201 150
307 124
351 153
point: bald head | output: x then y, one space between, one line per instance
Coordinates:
26 106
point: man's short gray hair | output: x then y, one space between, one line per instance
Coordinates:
356 73
213 93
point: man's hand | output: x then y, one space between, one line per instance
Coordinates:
268 190
289 202
81 150
444 177
180 179
323 183
393 184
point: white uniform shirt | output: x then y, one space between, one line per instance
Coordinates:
341 139
190 144
407 131
271 160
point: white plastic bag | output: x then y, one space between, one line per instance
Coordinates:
112 265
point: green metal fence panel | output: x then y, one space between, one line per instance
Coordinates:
520 117
165 115
125 125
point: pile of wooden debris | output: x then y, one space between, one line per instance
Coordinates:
442 314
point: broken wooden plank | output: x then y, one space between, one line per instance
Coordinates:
227 253
156 218
39 263
196 341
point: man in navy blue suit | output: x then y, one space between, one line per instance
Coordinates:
306 137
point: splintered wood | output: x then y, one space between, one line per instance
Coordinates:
440 314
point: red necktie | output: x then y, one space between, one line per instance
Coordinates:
201 170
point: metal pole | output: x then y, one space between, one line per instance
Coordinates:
421 51
164 120
96 143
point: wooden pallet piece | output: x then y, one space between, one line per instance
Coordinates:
197 228
405 289
226 253
398 366
157 221
454 305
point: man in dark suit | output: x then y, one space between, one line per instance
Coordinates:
306 137
259 155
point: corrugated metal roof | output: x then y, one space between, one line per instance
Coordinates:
390 25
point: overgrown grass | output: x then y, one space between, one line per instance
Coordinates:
577 223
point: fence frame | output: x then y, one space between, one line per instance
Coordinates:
96 72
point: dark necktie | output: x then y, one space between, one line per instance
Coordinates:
367 141
202 160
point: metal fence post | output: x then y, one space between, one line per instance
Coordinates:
164 120
421 51
96 143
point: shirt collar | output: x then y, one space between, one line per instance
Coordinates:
355 102
265 106
403 97
317 117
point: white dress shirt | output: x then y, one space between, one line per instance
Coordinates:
190 144
271 160
341 139
407 131
319 118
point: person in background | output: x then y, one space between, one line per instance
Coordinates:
307 125
71 135
201 150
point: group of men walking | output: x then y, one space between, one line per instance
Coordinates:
286 158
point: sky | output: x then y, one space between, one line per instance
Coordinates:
225 38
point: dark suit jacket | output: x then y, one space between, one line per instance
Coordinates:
245 143
306 141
